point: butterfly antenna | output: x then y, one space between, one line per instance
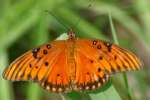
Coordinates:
79 20
65 27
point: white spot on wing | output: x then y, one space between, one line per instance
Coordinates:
87 87
93 87
47 87
99 84
95 77
53 89
60 89
42 84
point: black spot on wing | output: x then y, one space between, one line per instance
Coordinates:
91 61
99 69
35 52
48 46
99 46
45 52
95 42
100 57
30 65
46 63
108 45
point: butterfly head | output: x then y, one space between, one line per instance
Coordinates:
71 35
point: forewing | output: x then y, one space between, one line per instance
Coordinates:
115 58
96 60
30 64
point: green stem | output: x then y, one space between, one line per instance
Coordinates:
127 85
117 42
113 30
33 92
6 90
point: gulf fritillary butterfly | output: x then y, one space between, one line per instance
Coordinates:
72 65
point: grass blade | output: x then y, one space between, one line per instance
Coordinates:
117 42
6 92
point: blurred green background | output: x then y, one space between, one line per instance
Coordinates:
25 24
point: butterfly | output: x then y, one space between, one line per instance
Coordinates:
72 64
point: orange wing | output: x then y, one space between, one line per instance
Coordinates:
63 66
45 65
57 78
96 60
115 58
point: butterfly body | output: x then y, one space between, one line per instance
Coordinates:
71 58
72 65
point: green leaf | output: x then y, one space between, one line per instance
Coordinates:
108 94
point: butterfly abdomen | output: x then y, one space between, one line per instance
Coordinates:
70 59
